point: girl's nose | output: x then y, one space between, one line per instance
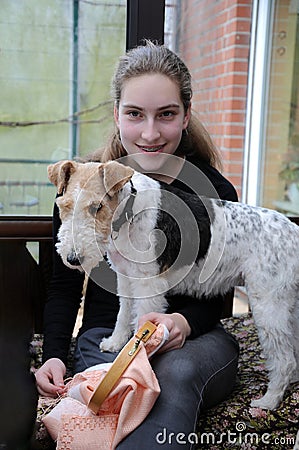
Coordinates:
150 131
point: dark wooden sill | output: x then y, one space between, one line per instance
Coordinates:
29 228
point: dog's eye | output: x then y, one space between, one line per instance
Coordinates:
94 209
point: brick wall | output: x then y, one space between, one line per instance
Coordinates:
214 39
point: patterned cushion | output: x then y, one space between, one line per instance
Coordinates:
233 424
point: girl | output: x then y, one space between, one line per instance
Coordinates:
197 366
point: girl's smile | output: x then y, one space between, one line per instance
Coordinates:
153 148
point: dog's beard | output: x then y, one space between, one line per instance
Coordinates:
86 265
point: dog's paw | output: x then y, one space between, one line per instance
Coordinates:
112 344
265 402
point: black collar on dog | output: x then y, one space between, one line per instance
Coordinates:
127 213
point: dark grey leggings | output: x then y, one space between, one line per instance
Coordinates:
199 375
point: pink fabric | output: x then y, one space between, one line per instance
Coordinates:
76 427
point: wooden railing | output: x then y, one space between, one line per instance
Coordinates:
24 278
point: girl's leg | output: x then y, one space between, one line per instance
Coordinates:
199 375
87 351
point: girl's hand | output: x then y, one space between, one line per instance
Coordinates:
49 378
176 324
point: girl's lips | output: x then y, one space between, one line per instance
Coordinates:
151 148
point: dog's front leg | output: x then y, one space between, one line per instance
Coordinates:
123 327
149 297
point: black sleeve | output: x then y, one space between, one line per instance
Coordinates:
202 315
63 302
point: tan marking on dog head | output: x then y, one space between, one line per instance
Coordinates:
65 205
60 173
115 176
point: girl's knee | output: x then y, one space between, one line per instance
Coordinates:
176 370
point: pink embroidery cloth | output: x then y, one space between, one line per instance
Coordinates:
74 426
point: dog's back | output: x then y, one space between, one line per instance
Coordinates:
236 240
264 240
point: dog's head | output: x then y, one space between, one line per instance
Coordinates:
88 198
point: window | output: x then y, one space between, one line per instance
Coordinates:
272 171
57 58
280 170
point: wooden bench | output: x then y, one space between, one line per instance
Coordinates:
232 424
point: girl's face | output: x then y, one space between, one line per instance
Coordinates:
151 119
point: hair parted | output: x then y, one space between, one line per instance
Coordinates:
153 58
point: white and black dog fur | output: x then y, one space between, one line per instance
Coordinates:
206 246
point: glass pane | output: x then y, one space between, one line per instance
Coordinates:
56 62
281 164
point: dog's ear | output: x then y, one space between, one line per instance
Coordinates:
59 174
115 176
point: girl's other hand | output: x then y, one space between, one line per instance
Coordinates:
49 378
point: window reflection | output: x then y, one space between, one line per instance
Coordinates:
281 162
57 62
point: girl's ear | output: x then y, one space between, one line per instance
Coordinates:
116 116
187 117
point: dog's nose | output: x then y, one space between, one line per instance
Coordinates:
74 259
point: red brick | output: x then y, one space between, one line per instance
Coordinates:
215 39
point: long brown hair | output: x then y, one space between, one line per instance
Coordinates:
152 58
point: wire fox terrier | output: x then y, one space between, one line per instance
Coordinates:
160 240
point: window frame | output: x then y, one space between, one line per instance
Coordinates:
257 96
145 20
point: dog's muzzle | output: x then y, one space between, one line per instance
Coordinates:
74 259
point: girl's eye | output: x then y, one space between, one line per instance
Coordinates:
167 114
134 114
94 209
